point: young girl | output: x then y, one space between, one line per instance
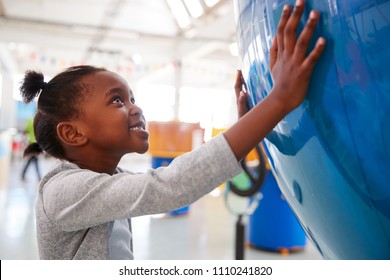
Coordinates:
87 118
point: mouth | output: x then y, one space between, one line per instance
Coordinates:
134 128
138 129
137 126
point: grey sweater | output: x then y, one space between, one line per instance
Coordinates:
76 207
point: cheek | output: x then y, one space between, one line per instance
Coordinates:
106 122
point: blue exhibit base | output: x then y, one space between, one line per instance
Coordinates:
165 161
273 226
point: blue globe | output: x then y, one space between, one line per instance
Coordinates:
331 156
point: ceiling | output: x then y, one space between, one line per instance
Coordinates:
139 39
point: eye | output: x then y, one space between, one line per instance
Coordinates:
132 100
117 99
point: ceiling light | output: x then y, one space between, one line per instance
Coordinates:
194 7
210 3
180 12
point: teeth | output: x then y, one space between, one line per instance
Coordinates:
136 128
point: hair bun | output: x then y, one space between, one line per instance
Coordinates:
32 85
32 149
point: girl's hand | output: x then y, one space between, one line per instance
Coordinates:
241 97
290 67
291 70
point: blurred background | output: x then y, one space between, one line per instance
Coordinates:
180 59
170 51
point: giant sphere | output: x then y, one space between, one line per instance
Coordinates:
331 155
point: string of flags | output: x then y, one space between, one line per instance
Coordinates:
120 65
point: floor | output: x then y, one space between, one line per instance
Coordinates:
205 232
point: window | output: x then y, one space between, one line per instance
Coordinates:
212 108
156 101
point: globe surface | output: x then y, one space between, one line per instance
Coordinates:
331 156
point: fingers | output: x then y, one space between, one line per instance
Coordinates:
305 36
304 40
282 24
238 83
242 104
273 52
287 40
290 31
242 99
315 54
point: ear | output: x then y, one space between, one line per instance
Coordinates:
70 134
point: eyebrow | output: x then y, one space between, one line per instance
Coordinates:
113 91
117 90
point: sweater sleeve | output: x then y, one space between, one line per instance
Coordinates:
75 198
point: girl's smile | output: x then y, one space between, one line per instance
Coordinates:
139 128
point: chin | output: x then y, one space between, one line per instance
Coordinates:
146 148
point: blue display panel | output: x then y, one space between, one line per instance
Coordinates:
331 156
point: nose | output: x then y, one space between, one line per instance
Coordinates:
135 110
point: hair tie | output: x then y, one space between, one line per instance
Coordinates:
43 85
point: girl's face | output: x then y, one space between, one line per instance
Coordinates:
114 124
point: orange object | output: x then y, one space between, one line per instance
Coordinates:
284 251
171 139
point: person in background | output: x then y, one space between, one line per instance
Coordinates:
31 158
88 119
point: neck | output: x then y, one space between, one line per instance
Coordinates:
97 167
96 163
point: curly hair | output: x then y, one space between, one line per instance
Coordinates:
57 102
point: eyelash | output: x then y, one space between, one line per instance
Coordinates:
132 100
117 98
